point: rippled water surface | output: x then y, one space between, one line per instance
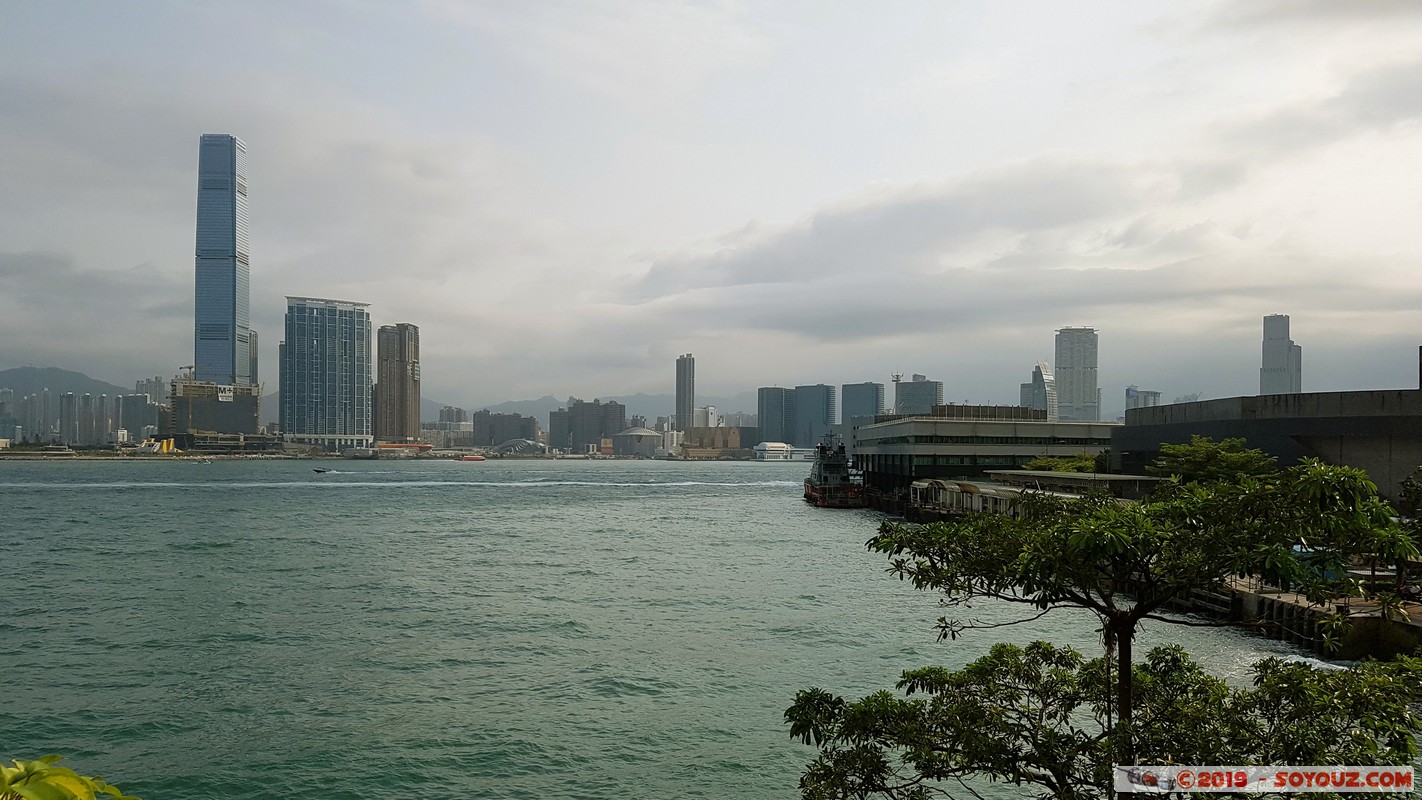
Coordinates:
504 629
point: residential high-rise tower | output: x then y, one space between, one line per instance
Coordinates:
325 373
397 387
1282 370
224 349
685 392
1078 396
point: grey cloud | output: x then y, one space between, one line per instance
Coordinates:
1376 99
910 230
1273 12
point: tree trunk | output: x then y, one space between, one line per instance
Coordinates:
1125 675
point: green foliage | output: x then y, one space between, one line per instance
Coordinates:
1410 498
1078 462
1205 460
41 780
1038 716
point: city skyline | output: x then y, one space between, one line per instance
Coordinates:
1200 167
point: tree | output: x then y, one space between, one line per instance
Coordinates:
1126 562
1040 716
1205 460
41 780
1077 462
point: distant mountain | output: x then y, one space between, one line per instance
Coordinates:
33 380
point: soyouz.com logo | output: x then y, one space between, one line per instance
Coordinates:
1154 780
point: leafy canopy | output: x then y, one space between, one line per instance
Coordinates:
1077 462
1205 460
1038 716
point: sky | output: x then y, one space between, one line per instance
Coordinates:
564 196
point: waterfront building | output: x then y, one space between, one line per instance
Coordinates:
637 442
815 412
1141 398
685 391
492 430
861 401
918 395
397 388
326 373
203 407
223 351
1041 392
966 441
1282 369
1078 396
448 435
590 423
1378 431
560 431
775 410
453 414
719 443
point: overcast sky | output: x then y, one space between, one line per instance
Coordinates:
566 196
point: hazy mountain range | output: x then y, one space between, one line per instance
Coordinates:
33 380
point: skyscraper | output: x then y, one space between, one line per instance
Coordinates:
775 411
1041 392
325 373
814 414
917 396
863 400
1078 396
1282 370
397 388
223 349
685 392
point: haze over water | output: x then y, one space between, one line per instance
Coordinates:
506 629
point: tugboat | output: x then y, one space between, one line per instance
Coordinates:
833 483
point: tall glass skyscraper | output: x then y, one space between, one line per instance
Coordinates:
325 373
223 350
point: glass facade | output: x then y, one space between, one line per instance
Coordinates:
223 346
325 369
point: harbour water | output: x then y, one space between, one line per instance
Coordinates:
506 629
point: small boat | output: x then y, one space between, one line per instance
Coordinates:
319 469
833 483
472 458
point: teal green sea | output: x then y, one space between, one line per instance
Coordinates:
505 629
